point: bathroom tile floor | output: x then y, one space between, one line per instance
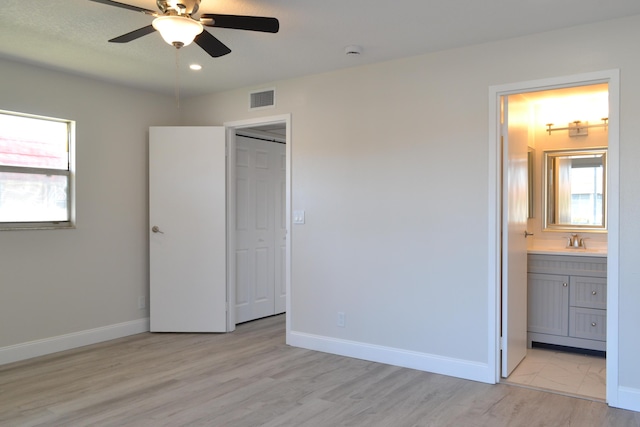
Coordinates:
563 372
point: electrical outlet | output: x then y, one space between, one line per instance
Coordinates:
142 303
340 321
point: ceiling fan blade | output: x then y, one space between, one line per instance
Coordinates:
211 45
126 6
240 22
136 34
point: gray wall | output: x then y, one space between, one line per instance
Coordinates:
64 281
390 162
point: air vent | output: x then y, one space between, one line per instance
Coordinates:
262 99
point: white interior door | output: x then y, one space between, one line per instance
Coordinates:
280 217
514 226
187 204
260 241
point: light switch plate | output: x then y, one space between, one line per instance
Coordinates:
298 217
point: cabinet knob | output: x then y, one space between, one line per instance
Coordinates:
593 323
565 285
593 292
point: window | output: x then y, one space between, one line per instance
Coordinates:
36 172
586 192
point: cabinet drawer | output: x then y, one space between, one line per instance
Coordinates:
588 323
589 292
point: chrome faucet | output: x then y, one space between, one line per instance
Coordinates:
576 242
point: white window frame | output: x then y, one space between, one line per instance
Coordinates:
69 172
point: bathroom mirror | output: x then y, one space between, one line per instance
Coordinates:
575 190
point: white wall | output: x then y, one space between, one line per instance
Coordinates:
60 282
390 162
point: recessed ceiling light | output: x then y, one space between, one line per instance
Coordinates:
195 67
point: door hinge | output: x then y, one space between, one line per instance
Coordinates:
226 306
501 343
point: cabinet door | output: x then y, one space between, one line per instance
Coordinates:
548 304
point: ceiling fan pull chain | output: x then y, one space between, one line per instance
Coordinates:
177 88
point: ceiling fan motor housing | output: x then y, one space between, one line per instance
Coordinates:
181 7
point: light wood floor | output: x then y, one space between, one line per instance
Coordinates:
251 378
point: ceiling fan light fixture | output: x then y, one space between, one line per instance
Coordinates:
177 30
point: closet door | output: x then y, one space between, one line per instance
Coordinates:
260 240
278 152
187 236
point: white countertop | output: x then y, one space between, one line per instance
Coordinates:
597 252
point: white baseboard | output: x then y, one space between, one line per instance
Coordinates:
628 398
17 352
459 368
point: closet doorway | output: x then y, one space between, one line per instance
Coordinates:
260 222
258 238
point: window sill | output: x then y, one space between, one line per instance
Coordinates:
41 226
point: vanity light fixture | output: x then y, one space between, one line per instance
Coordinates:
579 128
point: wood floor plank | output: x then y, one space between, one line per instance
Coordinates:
252 378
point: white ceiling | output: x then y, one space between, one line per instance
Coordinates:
72 35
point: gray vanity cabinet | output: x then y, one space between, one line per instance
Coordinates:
567 300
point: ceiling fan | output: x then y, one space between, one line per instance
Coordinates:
178 27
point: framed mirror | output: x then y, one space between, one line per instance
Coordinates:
575 190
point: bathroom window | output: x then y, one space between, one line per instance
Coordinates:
36 172
586 194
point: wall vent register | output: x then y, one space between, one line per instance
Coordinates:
262 99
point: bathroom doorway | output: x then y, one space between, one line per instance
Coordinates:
539 363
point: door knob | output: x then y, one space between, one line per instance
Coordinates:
156 229
527 234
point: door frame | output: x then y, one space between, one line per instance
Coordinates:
612 78
230 129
